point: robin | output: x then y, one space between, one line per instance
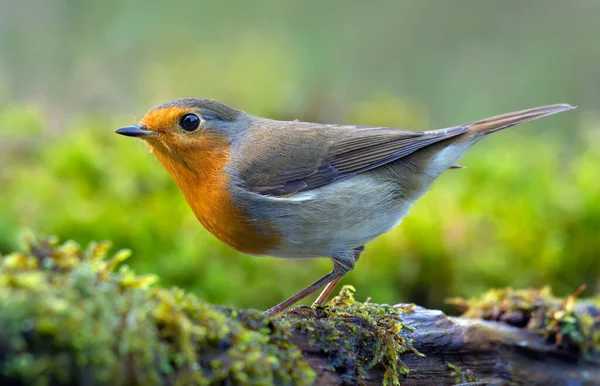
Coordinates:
298 189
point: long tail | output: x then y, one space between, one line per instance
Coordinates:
499 122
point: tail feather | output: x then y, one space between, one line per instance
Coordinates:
499 122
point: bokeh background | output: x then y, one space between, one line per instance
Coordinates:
525 212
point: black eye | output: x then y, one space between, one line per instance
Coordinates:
189 122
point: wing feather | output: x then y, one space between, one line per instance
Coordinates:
304 159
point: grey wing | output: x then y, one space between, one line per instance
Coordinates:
301 159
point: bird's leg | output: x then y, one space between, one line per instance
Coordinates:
343 263
302 294
326 291
331 285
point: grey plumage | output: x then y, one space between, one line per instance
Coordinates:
323 154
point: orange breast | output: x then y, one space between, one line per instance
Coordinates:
205 189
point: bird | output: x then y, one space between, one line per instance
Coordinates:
295 189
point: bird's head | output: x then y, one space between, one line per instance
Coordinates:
188 131
187 124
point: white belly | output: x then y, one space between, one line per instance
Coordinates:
343 215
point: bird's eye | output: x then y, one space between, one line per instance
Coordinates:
189 122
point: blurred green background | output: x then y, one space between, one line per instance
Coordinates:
525 211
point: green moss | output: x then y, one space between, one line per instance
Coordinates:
69 316
572 324
356 337
460 376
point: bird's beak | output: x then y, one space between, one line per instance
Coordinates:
134 131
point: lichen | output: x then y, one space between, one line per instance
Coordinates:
72 316
572 324
356 337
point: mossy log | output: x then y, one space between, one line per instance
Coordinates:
470 351
69 316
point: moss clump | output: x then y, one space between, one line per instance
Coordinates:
69 316
460 376
572 324
355 336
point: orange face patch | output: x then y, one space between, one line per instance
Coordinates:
164 118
